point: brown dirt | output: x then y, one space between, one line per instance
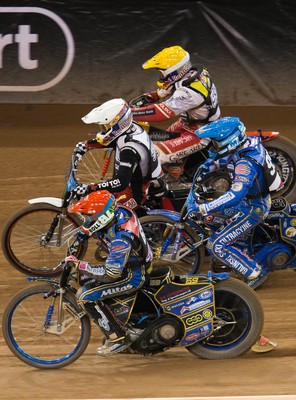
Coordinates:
36 142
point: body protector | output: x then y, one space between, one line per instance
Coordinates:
247 202
123 272
136 163
129 257
194 98
260 155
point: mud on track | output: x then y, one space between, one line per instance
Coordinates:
36 142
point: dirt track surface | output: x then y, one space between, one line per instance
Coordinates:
36 142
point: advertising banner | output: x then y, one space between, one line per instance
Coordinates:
77 52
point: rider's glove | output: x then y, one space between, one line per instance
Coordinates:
79 150
162 93
144 99
208 166
151 97
73 260
193 207
82 190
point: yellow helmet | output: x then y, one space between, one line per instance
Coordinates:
172 62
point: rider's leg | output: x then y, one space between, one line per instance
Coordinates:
92 295
222 244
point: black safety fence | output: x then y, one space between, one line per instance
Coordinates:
88 51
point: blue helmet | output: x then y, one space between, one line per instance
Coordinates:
227 135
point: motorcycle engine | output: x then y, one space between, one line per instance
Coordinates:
274 256
160 334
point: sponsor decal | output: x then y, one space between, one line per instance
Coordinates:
291 232
242 169
220 201
194 306
121 310
191 300
174 295
205 295
207 314
236 232
172 306
193 320
192 280
205 328
119 289
103 321
234 263
242 179
237 186
28 42
192 337
219 250
164 108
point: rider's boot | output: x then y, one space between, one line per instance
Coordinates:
263 345
255 283
117 339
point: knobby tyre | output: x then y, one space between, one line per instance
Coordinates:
283 154
23 243
189 260
241 310
27 336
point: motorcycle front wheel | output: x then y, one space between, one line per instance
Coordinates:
189 258
31 331
24 242
238 322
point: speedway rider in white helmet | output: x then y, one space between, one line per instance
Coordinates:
136 161
183 91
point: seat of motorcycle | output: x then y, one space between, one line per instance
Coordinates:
161 275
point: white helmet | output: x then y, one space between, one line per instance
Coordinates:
114 117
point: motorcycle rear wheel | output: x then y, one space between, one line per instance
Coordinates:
37 342
154 227
240 308
23 242
283 154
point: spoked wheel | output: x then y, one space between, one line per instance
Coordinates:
96 165
238 322
31 331
283 154
30 246
189 259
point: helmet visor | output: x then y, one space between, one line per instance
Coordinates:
104 128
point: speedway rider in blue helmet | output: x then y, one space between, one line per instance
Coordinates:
247 202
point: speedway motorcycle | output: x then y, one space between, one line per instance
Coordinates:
212 316
281 150
34 238
272 243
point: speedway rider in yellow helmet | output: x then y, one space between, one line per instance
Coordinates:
182 91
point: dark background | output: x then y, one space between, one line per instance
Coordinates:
249 48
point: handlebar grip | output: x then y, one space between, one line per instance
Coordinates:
71 264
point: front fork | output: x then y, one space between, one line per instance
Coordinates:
57 221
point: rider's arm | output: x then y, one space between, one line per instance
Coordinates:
82 147
115 263
244 176
182 99
153 113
